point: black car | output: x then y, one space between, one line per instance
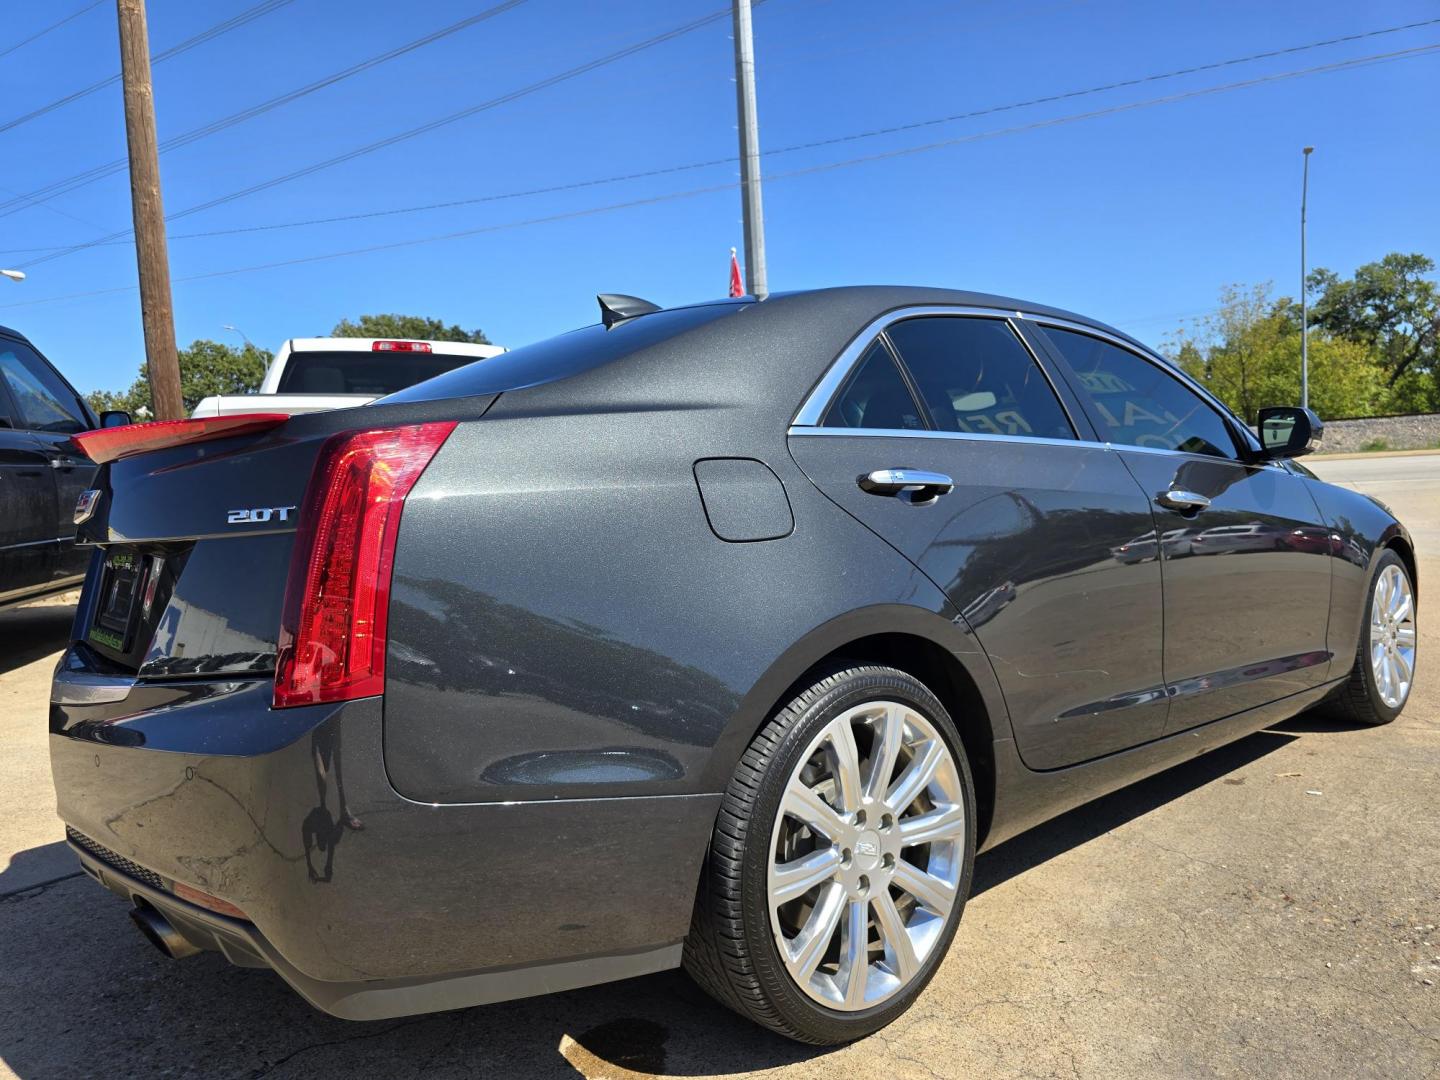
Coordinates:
720 636
41 474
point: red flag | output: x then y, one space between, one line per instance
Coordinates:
737 287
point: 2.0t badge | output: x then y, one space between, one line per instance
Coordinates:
258 515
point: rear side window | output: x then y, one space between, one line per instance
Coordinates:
976 376
41 397
1138 403
374 373
876 396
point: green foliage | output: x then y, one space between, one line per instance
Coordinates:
1375 446
1248 354
207 368
406 326
1390 306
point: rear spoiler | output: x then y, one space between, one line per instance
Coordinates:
111 444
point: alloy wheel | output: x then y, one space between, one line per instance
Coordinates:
866 855
1392 636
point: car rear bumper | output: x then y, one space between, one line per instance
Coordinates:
369 904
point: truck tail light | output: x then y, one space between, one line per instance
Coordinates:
400 346
337 597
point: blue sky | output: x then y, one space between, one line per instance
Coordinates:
1138 216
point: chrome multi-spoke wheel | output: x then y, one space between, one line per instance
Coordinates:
866 855
840 861
1392 635
1384 669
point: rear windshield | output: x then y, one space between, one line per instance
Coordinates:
376 374
555 358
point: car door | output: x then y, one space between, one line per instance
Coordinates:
1247 592
49 411
1024 542
27 499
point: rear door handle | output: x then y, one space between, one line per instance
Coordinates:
919 485
67 462
1184 501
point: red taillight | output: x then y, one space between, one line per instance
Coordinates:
111 444
400 346
337 599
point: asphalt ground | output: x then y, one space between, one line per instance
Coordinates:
1269 909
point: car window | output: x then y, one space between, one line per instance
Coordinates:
876 396
1138 403
42 399
977 377
343 371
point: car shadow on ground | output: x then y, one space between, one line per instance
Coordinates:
1086 822
248 1023
37 867
28 633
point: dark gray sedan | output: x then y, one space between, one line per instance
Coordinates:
720 636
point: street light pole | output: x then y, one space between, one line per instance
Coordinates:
243 336
1304 306
754 218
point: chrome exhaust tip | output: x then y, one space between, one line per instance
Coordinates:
161 934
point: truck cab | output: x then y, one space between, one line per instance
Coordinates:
316 374
41 474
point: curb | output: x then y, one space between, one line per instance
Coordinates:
1368 454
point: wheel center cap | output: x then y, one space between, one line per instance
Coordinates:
867 850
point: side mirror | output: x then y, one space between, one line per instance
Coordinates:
1288 432
114 418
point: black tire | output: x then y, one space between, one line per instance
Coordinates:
731 950
1358 701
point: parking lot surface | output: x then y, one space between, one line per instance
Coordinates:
1271 909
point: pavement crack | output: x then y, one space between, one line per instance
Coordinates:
30 891
266 1070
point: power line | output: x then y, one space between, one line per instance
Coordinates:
1142 80
53 26
118 237
61 187
391 140
1363 61
232 23
89 176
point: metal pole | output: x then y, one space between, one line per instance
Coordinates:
153 260
749 151
1304 306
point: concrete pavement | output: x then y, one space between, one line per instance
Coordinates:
1269 909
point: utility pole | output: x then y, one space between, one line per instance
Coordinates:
749 150
151 256
1304 306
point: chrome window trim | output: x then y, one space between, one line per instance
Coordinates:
964 436
812 410
980 436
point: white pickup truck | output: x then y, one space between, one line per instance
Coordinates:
315 374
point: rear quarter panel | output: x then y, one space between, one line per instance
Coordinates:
564 622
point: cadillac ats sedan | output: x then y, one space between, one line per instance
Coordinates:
721 637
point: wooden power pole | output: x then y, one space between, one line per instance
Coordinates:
151 256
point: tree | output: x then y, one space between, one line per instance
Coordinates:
416 327
1248 355
207 368
1392 307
